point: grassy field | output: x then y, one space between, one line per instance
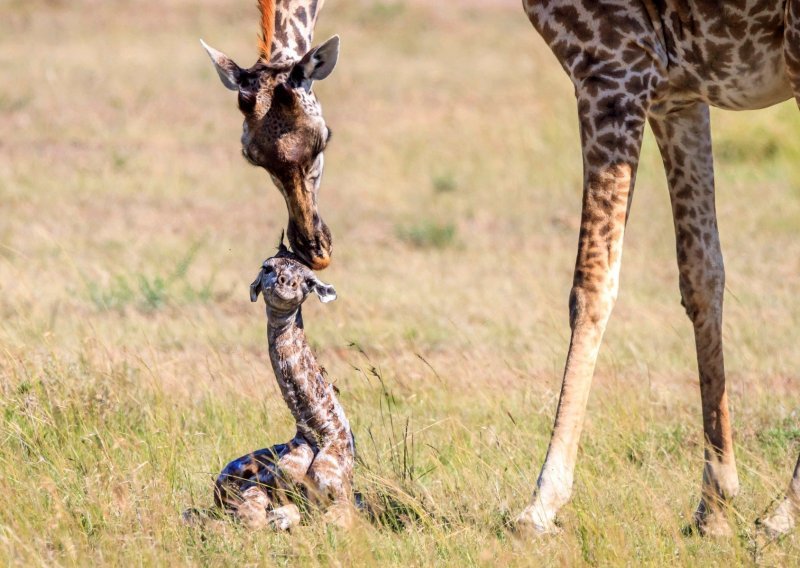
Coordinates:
133 366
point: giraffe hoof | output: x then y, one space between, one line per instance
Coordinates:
779 523
252 515
284 518
535 522
711 523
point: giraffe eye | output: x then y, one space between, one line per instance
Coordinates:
247 100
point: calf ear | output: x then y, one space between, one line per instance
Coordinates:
229 73
317 63
256 286
325 292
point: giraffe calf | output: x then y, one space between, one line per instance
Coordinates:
264 487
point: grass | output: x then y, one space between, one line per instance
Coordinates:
133 366
428 234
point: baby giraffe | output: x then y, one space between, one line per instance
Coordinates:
262 488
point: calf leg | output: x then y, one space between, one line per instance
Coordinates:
251 484
251 509
684 138
329 486
284 518
291 471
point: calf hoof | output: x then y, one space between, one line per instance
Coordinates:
252 515
252 511
284 518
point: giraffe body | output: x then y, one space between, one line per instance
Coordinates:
726 54
263 487
663 62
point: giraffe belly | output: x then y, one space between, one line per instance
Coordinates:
727 55
746 91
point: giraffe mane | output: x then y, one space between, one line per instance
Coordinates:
267 9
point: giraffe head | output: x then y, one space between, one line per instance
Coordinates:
285 283
284 131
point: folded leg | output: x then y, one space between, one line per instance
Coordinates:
329 486
250 485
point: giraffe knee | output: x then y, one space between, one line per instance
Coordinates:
591 306
701 292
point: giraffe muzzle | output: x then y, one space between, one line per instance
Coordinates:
313 249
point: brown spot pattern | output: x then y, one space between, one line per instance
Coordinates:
317 463
664 61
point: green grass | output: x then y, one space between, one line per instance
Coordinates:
428 234
133 366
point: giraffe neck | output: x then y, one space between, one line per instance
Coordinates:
294 30
310 398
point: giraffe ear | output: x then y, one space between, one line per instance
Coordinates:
256 287
317 63
325 292
229 73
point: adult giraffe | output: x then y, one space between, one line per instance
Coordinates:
284 131
662 61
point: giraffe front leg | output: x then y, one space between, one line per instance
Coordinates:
291 471
329 487
684 138
612 123
284 518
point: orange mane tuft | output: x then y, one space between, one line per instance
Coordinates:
267 9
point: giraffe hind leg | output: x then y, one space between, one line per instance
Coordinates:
251 486
291 472
684 138
252 510
254 469
284 518
786 515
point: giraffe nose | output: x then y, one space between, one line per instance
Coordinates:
284 280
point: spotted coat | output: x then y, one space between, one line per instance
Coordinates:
663 62
317 464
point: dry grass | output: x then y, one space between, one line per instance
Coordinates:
133 366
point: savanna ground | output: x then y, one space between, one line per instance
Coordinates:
133 365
